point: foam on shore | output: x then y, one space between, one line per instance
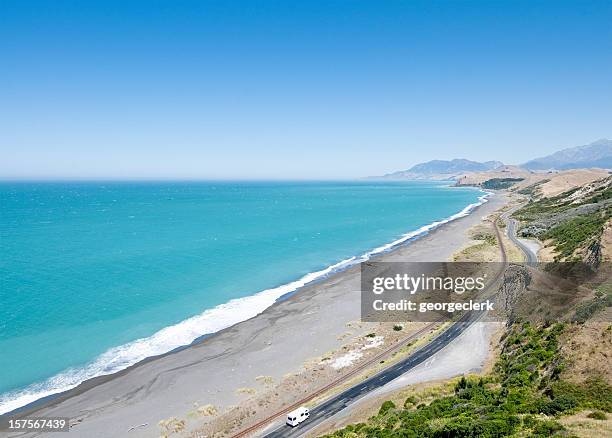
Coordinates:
189 330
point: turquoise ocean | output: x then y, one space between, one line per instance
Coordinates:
96 276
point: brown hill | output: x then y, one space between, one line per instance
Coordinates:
537 184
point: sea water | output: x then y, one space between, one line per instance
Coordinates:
96 276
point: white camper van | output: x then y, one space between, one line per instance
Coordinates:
296 417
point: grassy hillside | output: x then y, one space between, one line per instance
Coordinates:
578 232
524 396
549 379
571 221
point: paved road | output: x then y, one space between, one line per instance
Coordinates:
342 400
337 403
531 257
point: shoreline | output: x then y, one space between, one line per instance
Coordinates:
214 370
292 288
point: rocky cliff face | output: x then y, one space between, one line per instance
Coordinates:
593 255
514 284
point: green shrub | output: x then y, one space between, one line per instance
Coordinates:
558 405
546 428
576 232
598 415
500 183
410 401
505 404
594 393
529 421
386 406
587 309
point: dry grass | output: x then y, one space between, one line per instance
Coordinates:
245 390
265 380
477 178
395 357
292 387
547 253
480 252
482 246
171 426
549 184
588 349
606 241
495 346
207 410
569 179
582 426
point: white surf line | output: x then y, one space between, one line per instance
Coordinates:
208 322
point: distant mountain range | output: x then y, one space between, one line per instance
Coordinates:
596 154
443 169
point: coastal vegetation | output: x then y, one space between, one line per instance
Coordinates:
500 183
532 189
597 415
523 396
601 300
485 235
572 222
548 378
483 248
577 232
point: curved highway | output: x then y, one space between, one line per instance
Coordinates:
531 257
337 403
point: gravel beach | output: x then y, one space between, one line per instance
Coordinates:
276 342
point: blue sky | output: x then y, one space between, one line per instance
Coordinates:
281 89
